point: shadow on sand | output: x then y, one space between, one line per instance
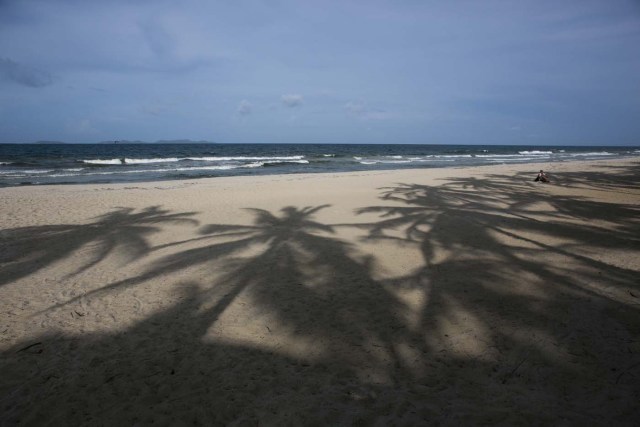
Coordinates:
26 250
516 318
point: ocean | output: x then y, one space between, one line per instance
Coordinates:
37 164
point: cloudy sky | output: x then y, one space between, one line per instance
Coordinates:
435 72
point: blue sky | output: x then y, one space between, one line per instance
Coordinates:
445 72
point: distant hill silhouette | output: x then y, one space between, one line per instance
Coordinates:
162 141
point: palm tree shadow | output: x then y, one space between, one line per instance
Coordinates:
29 249
338 342
317 292
511 285
317 284
161 370
611 178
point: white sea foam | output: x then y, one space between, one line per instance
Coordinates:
204 168
27 172
431 159
145 161
275 162
373 162
36 171
599 153
329 155
138 171
202 159
271 162
56 175
498 155
252 165
130 161
180 169
535 152
59 175
241 158
103 162
513 159
452 155
176 159
422 159
357 158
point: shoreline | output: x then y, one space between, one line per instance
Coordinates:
534 167
441 295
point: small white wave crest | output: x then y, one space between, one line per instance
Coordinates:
373 162
242 158
457 156
129 161
497 155
275 162
599 153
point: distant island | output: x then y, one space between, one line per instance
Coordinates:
162 141
125 141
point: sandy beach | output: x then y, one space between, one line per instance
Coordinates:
460 296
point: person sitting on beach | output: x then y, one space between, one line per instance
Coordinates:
542 177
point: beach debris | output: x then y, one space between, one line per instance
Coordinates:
31 346
513 371
112 377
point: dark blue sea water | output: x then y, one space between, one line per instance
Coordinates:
32 164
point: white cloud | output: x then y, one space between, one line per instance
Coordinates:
244 108
292 100
354 108
362 111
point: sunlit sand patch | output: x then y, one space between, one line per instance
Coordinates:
462 333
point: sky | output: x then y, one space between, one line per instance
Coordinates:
384 72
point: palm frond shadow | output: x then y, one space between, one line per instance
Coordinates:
317 288
532 288
522 337
26 250
299 269
617 178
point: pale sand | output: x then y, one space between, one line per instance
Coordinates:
432 296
